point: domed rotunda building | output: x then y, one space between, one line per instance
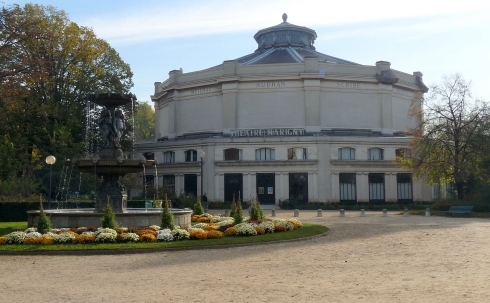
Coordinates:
286 122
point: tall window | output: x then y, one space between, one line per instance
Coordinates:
231 154
347 153
297 153
169 183
404 187
265 154
375 154
191 155
347 187
376 187
403 152
298 187
168 157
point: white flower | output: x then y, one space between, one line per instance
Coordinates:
34 234
131 237
180 234
165 235
105 231
88 233
155 227
16 237
245 229
105 237
63 238
268 227
289 226
30 230
295 222
200 225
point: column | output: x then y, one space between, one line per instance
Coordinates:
335 197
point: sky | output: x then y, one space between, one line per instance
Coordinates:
154 37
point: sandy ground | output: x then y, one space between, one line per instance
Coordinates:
361 259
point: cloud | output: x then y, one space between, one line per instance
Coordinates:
163 20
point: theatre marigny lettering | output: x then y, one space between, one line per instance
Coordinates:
263 132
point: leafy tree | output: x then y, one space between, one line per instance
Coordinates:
452 138
144 121
48 65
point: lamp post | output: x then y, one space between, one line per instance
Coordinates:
50 160
201 156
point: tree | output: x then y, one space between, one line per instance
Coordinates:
48 65
144 123
452 138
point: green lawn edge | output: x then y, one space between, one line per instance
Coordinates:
306 232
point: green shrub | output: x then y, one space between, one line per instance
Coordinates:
108 219
256 212
237 214
198 209
44 223
167 217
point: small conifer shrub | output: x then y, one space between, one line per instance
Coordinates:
167 217
198 209
108 219
256 212
238 216
44 223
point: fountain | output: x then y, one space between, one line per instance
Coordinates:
109 164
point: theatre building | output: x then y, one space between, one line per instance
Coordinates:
287 122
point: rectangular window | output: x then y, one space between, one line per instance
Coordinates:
168 182
190 155
436 189
298 187
375 154
231 154
297 153
149 156
347 153
265 154
404 187
347 187
376 187
168 157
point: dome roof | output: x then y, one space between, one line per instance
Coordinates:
286 43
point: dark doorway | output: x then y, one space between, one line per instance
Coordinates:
233 187
298 187
190 185
266 192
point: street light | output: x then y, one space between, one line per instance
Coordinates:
201 156
50 160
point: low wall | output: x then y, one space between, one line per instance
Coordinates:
76 218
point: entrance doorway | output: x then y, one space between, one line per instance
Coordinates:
190 185
233 187
266 192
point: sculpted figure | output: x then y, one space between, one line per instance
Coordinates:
118 125
105 127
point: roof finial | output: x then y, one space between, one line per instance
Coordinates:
284 17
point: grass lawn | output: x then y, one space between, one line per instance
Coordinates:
307 230
8 227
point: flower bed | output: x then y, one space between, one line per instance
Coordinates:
204 227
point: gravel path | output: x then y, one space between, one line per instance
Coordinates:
361 259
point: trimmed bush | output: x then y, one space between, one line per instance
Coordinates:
44 223
167 217
198 209
108 219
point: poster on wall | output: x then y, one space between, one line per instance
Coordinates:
270 190
261 190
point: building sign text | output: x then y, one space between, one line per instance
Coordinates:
200 90
271 84
261 132
348 85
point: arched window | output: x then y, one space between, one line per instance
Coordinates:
297 153
231 154
265 154
347 153
375 154
190 155
168 157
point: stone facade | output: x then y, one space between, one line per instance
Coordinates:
287 122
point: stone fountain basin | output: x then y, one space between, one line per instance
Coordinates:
112 166
87 217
